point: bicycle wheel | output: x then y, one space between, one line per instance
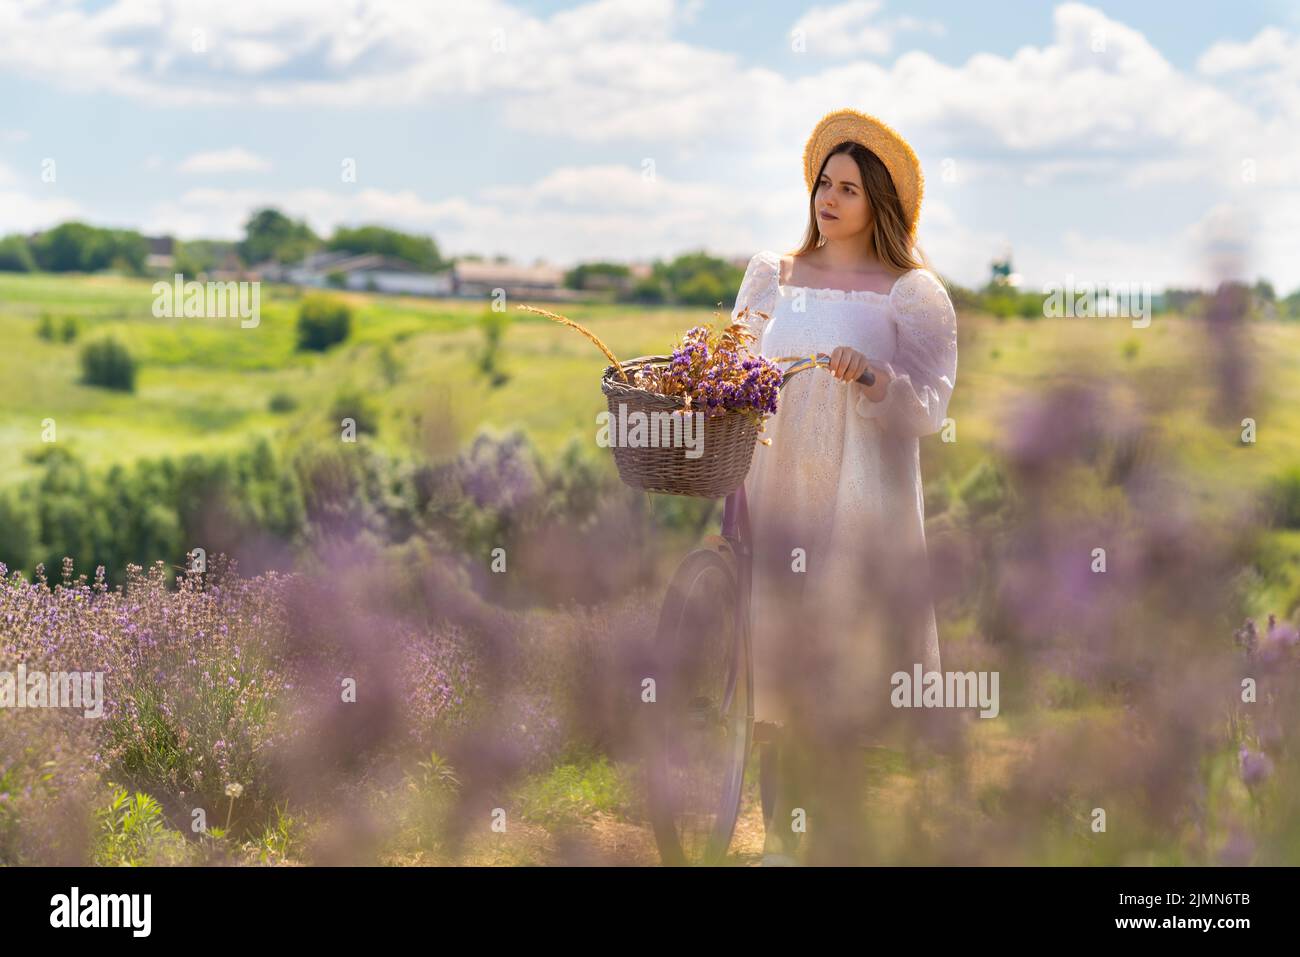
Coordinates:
703 721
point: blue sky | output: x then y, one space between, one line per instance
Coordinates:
1155 142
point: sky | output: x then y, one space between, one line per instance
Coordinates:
1106 142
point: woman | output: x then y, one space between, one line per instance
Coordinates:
835 502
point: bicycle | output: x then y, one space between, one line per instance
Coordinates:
704 721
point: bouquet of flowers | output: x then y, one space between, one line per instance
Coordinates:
710 370
713 375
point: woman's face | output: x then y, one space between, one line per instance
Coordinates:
840 195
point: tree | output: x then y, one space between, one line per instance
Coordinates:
580 276
15 255
419 250
78 247
269 234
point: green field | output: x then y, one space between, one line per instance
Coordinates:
206 384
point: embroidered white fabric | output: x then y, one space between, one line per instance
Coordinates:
841 483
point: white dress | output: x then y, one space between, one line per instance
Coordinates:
841 483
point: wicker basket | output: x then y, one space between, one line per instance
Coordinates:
728 444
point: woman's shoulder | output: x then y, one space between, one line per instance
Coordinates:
919 288
764 268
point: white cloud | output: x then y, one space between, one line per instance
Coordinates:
1269 47
236 159
848 29
22 212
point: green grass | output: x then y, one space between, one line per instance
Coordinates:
568 794
206 384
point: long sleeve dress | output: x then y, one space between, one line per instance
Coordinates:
841 597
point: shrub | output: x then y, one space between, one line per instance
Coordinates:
351 404
283 402
983 490
322 322
107 363
132 832
1284 499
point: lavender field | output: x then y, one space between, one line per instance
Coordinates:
366 682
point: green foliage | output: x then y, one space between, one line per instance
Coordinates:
78 247
197 256
649 291
389 367
282 402
493 325
107 363
434 774
16 255
152 510
699 279
269 234
983 491
590 275
323 322
66 331
1284 499
282 840
420 250
131 832
570 793
703 289
353 404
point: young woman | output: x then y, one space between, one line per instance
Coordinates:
841 479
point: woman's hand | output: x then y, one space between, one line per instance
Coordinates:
848 364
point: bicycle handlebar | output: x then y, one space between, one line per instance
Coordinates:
803 363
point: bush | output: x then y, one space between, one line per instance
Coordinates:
351 404
132 832
322 322
45 328
1284 499
283 402
70 328
107 363
983 490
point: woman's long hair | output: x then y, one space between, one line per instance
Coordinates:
888 234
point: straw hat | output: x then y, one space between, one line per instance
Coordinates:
894 151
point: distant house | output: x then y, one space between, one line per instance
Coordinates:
162 253
231 269
467 279
472 279
363 272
